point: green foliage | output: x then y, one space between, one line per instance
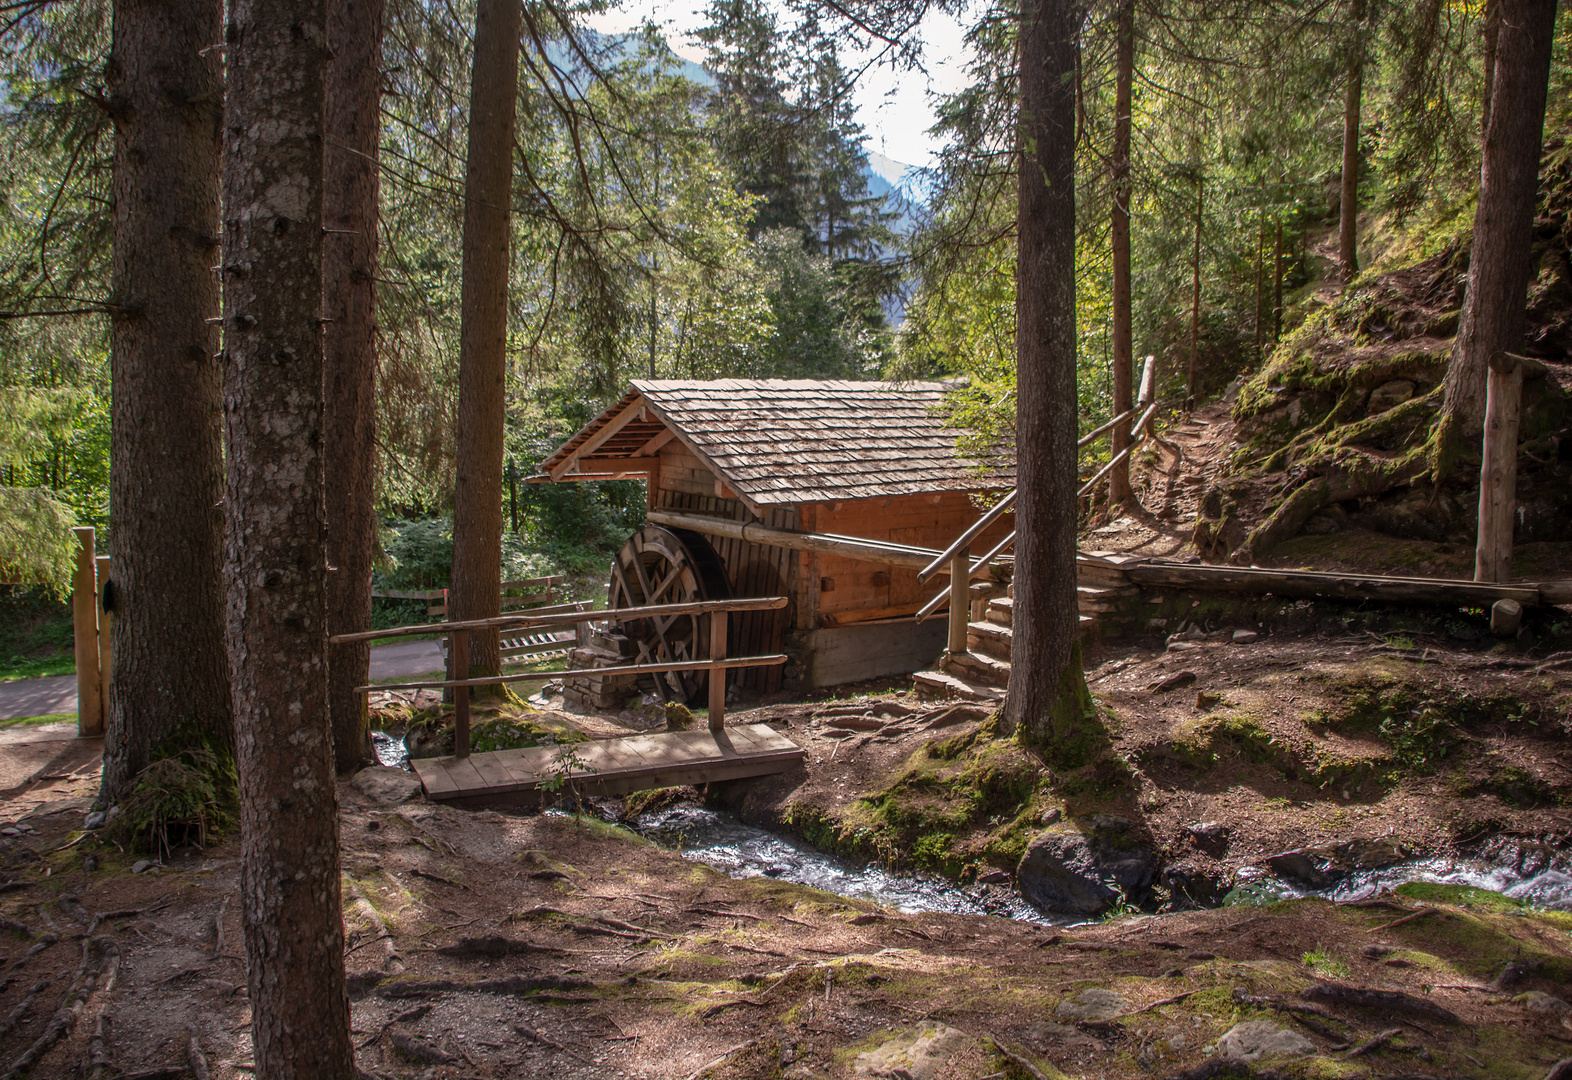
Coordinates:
1326 964
184 797
36 634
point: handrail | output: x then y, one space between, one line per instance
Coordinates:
512 622
458 652
1120 456
621 669
1148 389
995 512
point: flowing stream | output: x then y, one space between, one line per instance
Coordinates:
1536 874
720 840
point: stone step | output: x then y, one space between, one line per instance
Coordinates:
1099 600
978 668
1001 610
989 639
942 686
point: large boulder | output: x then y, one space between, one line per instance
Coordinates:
917 1053
385 785
1257 1039
1077 874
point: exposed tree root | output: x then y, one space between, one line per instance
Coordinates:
195 1058
15 1015
71 1007
1345 474
391 962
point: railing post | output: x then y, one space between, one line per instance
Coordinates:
106 637
960 597
717 675
458 655
84 624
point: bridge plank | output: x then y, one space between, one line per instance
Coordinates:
610 766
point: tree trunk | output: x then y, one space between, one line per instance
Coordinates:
1260 290
1195 294
1348 203
275 558
1492 32
349 307
1123 350
1277 287
166 464
1047 698
1495 304
483 335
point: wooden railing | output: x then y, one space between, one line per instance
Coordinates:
458 649
958 556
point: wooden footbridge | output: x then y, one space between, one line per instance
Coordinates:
600 766
607 766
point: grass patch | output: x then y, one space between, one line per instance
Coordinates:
39 721
1463 896
1324 963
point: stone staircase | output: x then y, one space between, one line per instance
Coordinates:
983 670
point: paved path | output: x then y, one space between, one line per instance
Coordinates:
46 697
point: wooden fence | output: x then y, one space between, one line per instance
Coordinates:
458 649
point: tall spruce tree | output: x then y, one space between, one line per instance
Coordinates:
1047 699
1495 304
165 86
483 335
275 559
351 187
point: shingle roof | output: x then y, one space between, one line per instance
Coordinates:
790 441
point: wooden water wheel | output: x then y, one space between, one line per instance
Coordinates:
669 566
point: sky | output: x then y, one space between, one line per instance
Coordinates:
893 107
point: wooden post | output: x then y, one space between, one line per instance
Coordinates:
106 622
960 596
84 626
717 675
458 660
1498 465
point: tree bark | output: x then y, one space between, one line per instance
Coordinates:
1348 203
483 335
1495 303
351 190
1492 34
1277 287
275 565
1260 289
1123 350
1047 698
1195 293
166 465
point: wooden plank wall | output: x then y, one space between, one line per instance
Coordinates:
751 569
931 520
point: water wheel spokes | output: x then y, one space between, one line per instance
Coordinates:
669 566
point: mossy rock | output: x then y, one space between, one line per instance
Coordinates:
432 734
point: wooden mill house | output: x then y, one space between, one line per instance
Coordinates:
833 494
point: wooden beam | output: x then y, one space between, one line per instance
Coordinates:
711 666
1506 363
594 442
653 445
525 621
619 466
84 626
848 547
1498 466
1311 583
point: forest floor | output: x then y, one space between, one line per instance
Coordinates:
492 944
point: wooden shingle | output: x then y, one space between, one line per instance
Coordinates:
780 441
